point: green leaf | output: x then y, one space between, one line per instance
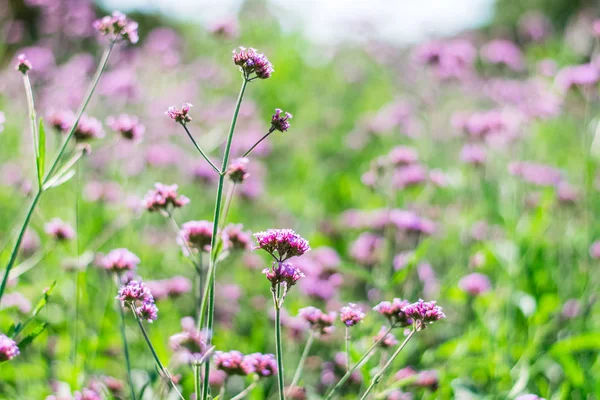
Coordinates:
582 342
27 340
38 307
13 328
41 160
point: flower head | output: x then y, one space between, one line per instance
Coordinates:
147 311
351 314
133 292
284 242
392 310
264 365
163 196
236 238
128 126
117 28
317 319
283 273
233 363
181 116
387 339
23 64
8 348
190 343
280 120
61 120
59 230
197 235
595 250
120 260
424 312
238 170
250 61
475 284
88 128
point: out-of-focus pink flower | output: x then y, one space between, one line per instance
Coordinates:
317 319
583 76
197 235
403 155
236 238
16 300
535 173
451 59
164 196
62 120
128 126
473 154
227 28
59 230
595 250
88 128
571 309
567 193
117 28
535 26
238 170
366 249
119 260
503 52
475 284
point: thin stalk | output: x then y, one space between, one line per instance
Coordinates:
222 392
228 199
378 376
197 379
214 167
271 130
160 365
278 344
244 392
209 290
15 250
363 358
347 339
126 351
32 117
300 368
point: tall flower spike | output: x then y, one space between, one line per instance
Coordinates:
180 116
282 244
351 314
423 312
23 64
280 120
250 61
117 28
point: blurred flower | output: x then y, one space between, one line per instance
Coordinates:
317 319
583 76
402 155
117 27
393 311
595 250
538 174
31 243
119 260
596 28
264 365
17 300
8 348
529 397
409 175
427 379
190 344
173 287
250 61
61 120
571 309
162 197
88 128
366 249
387 340
227 29
23 64
280 121
450 59
238 170
399 395
534 26
423 312
128 126
351 314
475 284
503 52
59 230
566 193
236 238
197 235
401 260
474 154
282 244
282 272
233 363
180 116
295 393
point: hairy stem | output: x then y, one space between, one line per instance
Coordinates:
300 368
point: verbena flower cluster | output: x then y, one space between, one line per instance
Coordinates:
163 198
282 244
138 297
117 28
8 348
252 62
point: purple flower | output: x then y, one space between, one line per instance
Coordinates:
197 235
366 249
134 292
389 340
8 348
571 309
423 312
61 120
163 196
117 28
535 26
474 154
538 174
284 242
264 365
451 59
351 314
59 230
236 238
180 116
282 272
317 319
392 310
88 128
250 61
475 284
503 52
128 126
280 120
23 64
189 344
119 260
147 312
402 155
238 170
409 175
233 363
585 76
427 379
595 250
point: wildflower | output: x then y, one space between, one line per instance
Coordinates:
59 230
584 76
351 314
537 174
281 122
238 170
61 120
250 61
366 249
147 312
451 59
119 260
88 128
427 379
180 116
134 292
402 155
392 310
117 28
503 52
409 175
283 273
284 242
128 126
23 64
236 238
190 344
473 154
571 309
197 235
264 365
475 284
296 393
423 312
227 29
16 300
387 339
8 348
595 250
534 26
163 196
317 319
233 363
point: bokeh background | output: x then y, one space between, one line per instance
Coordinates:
491 136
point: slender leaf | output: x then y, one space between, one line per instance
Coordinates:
27 340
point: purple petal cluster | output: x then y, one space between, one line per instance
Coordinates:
197 235
282 244
59 230
136 295
182 115
236 238
387 340
128 126
393 311
8 348
475 284
318 320
61 120
280 120
23 64
264 365
537 174
190 345
238 170
88 128
119 260
503 52
117 28
449 60
250 61
582 76
162 197
282 272
172 287
233 363
424 312
351 315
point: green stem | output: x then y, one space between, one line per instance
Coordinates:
363 358
197 379
271 130
209 290
378 376
347 339
298 373
228 199
244 392
126 351
33 119
214 167
278 344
